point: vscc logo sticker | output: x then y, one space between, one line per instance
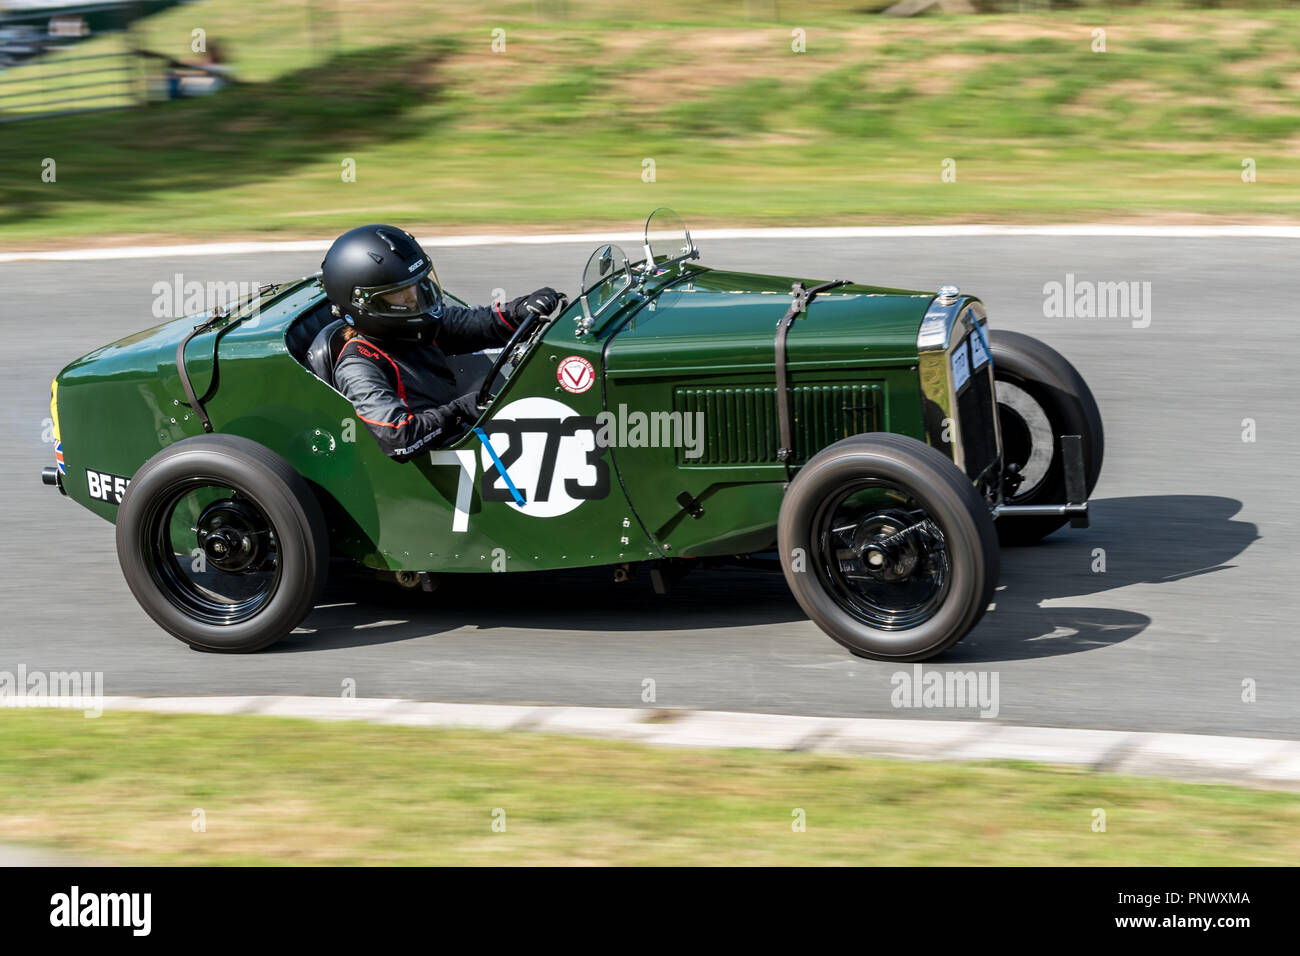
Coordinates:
575 374
551 455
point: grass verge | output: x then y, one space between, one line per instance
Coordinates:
125 788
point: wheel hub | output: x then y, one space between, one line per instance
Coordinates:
883 557
231 536
888 549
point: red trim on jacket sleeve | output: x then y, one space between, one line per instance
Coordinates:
502 317
362 347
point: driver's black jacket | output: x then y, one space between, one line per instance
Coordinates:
403 390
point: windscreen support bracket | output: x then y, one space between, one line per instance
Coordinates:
191 398
208 325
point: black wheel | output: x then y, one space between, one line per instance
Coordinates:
888 547
1040 398
222 543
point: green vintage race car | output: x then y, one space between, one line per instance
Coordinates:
881 441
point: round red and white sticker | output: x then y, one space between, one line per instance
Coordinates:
575 374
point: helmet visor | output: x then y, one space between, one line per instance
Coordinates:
415 296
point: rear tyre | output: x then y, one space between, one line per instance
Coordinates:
1040 398
222 543
888 547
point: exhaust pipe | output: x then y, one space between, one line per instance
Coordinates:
50 476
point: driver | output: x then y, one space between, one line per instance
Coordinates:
393 366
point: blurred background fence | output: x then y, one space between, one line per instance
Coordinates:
47 69
72 84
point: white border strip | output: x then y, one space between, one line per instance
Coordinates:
589 238
1248 761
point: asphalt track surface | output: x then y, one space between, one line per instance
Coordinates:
1198 527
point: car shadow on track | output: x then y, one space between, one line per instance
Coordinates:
1146 540
355 614
1155 539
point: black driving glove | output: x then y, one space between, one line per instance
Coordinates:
464 410
541 302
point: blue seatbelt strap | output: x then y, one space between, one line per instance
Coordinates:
501 469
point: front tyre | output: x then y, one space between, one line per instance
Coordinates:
222 543
1040 398
888 547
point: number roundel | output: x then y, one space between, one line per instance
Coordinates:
551 455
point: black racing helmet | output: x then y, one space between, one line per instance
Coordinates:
382 282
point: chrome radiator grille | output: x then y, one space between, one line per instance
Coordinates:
957 392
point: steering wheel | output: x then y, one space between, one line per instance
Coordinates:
521 334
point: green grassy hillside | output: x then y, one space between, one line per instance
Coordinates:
556 130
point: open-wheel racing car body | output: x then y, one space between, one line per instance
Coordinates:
880 441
